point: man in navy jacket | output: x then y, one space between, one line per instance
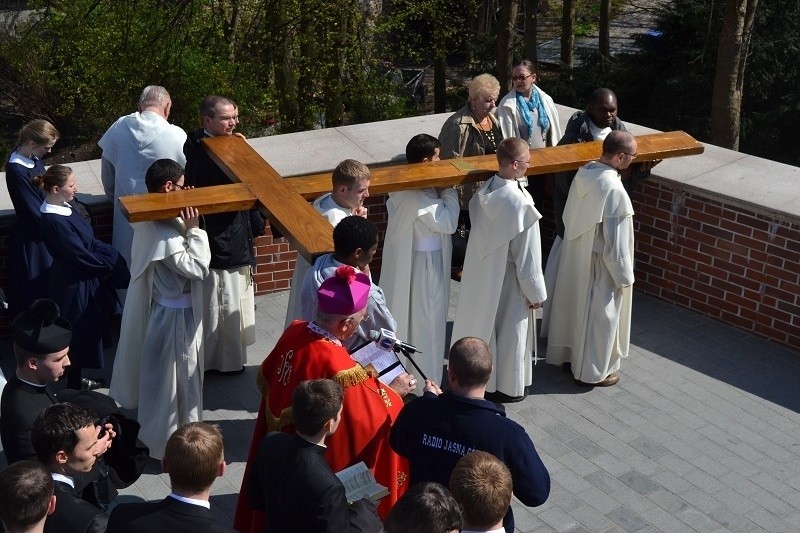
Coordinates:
436 430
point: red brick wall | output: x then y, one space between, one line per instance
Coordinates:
725 261
721 260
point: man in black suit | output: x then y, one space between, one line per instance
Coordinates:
41 348
292 483
68 442
26 497
193 458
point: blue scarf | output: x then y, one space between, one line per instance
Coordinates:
526 106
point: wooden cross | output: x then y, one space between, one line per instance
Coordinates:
285 201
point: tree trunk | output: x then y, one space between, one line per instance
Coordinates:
605 29
568 33
335 58
285 76
726 100
440 82
505 42
531 29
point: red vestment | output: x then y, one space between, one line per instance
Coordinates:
369 410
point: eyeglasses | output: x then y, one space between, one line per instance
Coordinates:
633 156
178 186
520 78
228 119
526 163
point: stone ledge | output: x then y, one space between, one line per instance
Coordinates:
721 174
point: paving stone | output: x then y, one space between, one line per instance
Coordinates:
713 448
557 519
627 519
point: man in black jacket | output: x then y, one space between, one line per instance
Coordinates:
229 320
292 483
193 458
41 349
68 442
434 431
593 124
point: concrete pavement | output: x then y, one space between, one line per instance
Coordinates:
702 433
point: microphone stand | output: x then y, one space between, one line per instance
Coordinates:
407 353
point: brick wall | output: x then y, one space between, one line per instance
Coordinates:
725 261
721 260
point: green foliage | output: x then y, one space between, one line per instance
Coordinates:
668 84
86 61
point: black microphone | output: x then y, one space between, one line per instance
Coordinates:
388 341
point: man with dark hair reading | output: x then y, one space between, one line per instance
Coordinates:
158 367
434 432
26 497
482 486
193 459
292 483
416 262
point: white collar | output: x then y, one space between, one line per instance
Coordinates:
32 384
599 134
324 333
192 501
64 479
63 209
20 159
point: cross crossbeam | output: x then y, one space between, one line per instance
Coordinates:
285 201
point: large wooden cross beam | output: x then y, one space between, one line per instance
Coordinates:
285 201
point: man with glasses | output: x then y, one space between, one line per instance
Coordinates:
590 315
229 318
158 366
503 277
129 146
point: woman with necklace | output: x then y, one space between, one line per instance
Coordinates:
528 112
28 261
82 265
470 131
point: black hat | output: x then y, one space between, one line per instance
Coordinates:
40 329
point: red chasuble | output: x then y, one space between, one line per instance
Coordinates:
369 410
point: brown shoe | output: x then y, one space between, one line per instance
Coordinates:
610 380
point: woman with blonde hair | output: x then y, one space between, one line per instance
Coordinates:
473 129
84 269
470 131
28 261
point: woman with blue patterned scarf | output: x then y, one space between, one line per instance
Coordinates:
528 112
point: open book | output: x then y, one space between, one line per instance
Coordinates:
359 483
384 362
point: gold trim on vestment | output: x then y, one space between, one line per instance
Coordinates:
345 378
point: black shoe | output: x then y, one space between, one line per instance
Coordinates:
228 373
501 397
567 367
92 384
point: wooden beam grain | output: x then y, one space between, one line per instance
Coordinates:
451 172
160 206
